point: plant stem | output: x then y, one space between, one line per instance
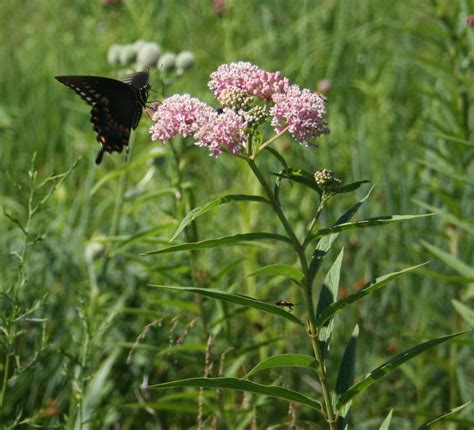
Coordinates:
311 327
270 141
191 234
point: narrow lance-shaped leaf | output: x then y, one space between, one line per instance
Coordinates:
345 375
351 187
237 299
370 222
327 296
390 365
300 176
326 242
243 385
435 421
280 270
284 360
369 288
386 422
201 210
221 241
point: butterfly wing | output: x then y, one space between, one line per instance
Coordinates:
116 106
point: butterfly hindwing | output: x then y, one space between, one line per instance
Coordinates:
116 106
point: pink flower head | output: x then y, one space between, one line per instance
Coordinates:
178 115
470 21
248 77
222 131
302 111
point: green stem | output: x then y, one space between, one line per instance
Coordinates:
311 327
191 234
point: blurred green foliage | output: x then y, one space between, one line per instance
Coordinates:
80 329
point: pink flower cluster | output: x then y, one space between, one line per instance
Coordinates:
183 115
302 111
247 77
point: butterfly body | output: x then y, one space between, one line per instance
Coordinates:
116 106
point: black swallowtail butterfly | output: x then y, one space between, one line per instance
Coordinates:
116 106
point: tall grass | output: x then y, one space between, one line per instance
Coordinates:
82 334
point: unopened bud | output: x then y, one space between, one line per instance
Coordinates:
326 180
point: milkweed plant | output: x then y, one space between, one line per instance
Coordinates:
253 101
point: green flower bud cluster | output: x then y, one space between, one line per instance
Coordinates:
326 180
235 98
143 55
256 115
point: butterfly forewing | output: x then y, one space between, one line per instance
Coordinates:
116 106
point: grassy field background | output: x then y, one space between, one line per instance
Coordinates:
80 329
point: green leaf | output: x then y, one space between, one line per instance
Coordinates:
237 299
279 270
300 176
345 375
327 296
371 222
466 226
369 288
277 155
284 360
221 241
125 168
386 422
435 421
454 263
201 210
466 313
446 170
326 242
351 187
243 385
140 236
390 365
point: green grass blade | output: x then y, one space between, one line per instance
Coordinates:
201 210
449 217
386 422
221 241
369 288
390 365
237 299
243 385
466 313
283 360
125 168
435 421
279 270
450 260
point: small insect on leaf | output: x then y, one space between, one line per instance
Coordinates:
116 106
285 304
